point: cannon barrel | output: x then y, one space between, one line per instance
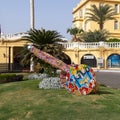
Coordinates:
78 79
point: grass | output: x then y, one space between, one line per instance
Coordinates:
25 101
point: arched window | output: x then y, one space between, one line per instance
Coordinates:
80 13
116 8
113 61
116 25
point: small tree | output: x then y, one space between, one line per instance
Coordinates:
75 32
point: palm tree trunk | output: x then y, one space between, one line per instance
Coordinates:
101 26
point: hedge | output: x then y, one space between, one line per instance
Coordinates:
5 78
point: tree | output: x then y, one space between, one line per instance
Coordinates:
75 32
47 41
95 36
100 14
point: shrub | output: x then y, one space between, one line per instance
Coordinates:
38 76
4 78
50 83
113 40
94 36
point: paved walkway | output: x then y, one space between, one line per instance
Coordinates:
110 78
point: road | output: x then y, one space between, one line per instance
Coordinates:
111 79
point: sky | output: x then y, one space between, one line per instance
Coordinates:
49 14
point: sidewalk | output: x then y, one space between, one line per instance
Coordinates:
96 70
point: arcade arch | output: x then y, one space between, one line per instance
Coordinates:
89 59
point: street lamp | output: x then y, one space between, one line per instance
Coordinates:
31 14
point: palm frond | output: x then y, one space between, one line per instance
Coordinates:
100 14
45 40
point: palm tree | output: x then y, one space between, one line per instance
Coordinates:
100 14
47 41
95 36
75 32
43 39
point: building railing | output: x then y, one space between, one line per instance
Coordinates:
12 36
85 45
68 45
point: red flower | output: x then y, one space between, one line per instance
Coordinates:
84 90
76 67
68 76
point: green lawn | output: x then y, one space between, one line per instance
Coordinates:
25 101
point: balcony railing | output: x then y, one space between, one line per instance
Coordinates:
68 45
85 45
12 36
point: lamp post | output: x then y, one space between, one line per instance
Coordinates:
31 14
0 30
31 27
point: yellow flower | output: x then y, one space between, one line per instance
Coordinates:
74 71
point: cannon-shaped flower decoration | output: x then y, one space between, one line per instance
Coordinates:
77 79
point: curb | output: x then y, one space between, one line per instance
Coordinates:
116 71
